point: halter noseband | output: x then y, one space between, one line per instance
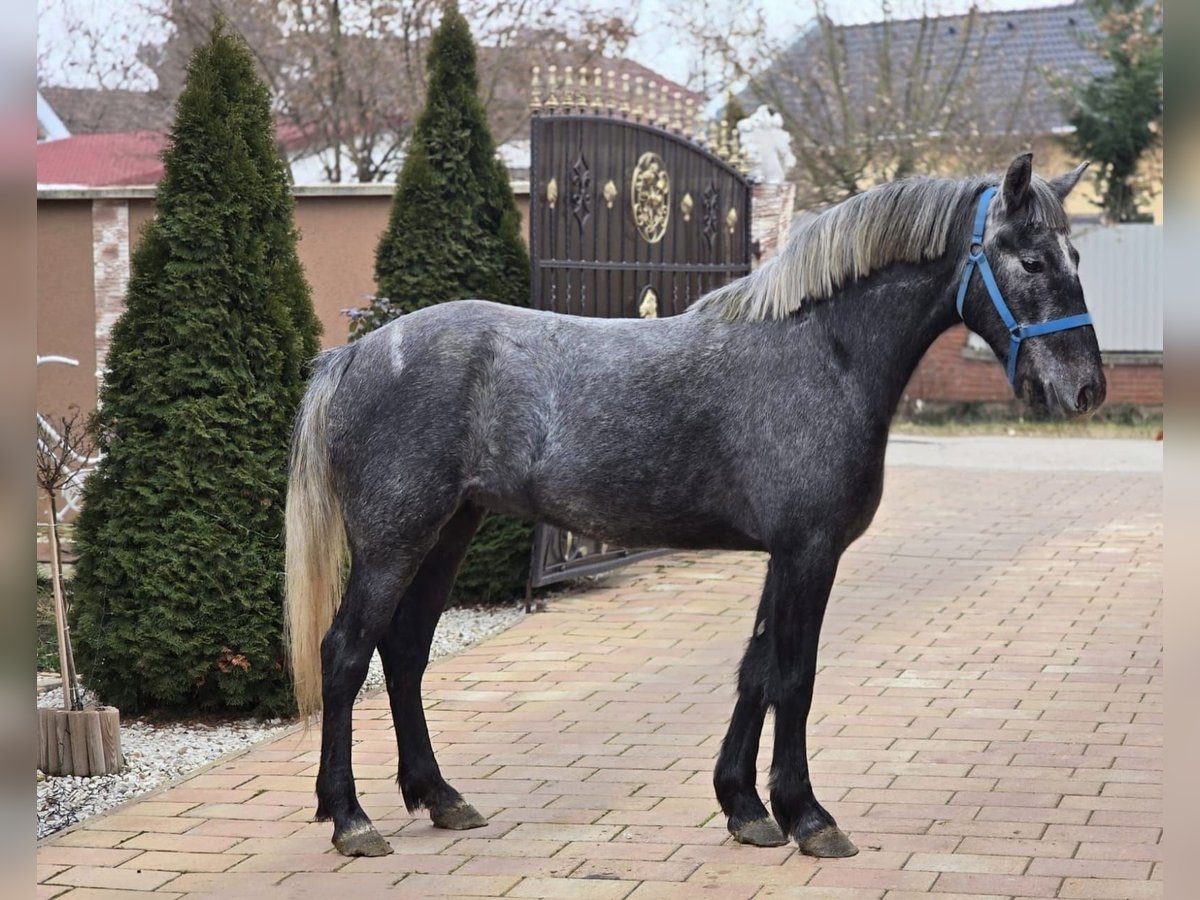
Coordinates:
1017 333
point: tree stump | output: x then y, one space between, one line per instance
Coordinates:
80 742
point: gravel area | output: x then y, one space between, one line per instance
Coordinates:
157 753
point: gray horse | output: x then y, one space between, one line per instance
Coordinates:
757 420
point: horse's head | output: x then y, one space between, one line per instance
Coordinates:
1049 345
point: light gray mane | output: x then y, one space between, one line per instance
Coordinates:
902 221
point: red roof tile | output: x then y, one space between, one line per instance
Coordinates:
121 158
102 160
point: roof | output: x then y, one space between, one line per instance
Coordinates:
94 110
1015 52
117 159
49 126
98 160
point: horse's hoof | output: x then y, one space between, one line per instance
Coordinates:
829 842
761 833
361 841
457 816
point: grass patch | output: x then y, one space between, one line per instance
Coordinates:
1121 420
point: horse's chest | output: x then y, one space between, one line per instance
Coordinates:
836 488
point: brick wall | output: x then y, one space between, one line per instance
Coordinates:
946 376
771 211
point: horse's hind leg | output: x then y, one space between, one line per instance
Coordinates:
737 766
376 583
405 653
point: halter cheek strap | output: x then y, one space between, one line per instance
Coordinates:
1017 333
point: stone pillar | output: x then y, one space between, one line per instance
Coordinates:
110 270
770 217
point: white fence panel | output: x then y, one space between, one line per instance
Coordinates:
1120 268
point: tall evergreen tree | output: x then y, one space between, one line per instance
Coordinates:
178 591
1117 114
455 232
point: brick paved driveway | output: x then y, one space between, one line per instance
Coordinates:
987 721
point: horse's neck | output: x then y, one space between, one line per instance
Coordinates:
886 323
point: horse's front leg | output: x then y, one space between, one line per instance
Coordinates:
805 577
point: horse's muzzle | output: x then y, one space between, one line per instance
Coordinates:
1070 400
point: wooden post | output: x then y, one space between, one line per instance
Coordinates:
80 742
95 743
45 732
49 729
62 740
110 734
77 728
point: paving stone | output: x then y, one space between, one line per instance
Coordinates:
986 722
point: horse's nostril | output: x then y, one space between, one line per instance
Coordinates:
1083 402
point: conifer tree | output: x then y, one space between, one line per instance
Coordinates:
454 232
1117 114
178 590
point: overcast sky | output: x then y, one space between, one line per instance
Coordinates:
657 46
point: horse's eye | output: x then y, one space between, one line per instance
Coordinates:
1032 266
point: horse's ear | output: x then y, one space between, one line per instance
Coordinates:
1064 184
1016 182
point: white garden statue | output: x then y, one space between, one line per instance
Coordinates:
768 146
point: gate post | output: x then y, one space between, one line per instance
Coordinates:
771 213
769 150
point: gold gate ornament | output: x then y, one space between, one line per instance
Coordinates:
650 195
649 306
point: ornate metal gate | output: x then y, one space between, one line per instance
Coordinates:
632 213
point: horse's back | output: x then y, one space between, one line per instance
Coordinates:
462 389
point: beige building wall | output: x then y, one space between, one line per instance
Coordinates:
1051 158
65 311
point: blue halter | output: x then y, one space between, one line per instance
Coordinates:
1017 333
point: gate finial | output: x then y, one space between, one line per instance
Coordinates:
637 97
568 87
651 98
625 94
551 88
612 91
677 112
535 90
665 122
597 90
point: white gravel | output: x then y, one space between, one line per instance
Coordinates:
158 753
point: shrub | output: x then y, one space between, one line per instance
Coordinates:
178 588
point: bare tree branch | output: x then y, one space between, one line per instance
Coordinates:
348 75
902 99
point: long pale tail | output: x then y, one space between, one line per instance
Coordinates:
316 534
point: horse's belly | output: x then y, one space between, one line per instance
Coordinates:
673 514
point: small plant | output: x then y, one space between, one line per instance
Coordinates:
57 469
